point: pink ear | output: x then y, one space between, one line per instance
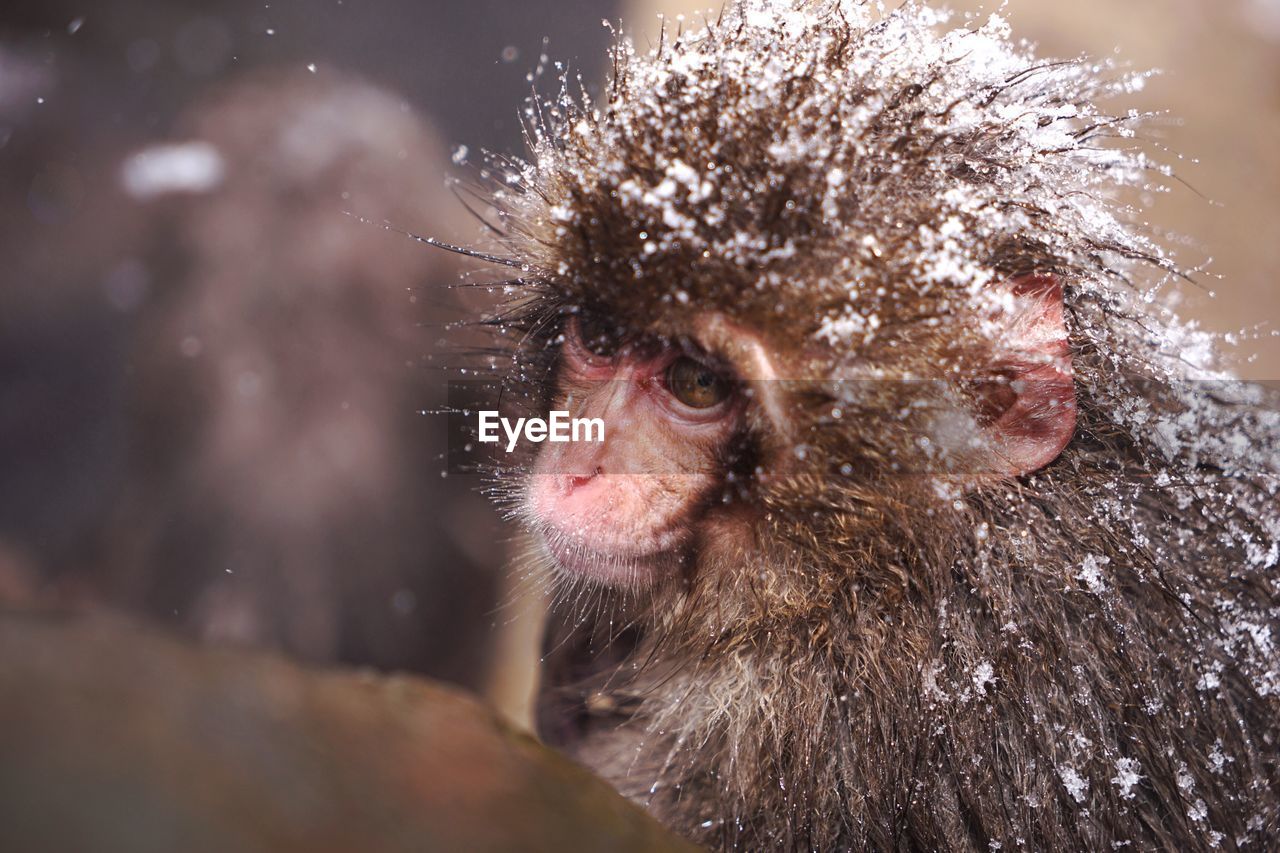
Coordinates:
1036 357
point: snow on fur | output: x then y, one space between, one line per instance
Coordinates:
862 178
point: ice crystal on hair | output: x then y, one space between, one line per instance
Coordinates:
983 677
1127 777
1077 786
1056 651
758 152
1091 573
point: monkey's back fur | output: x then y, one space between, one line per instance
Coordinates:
1075 659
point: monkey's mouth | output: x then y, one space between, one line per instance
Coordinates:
620 569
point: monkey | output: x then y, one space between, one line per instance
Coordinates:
16 585
279 465
921 522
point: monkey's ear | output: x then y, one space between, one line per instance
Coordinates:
1032 417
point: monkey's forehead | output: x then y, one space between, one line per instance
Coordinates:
816 157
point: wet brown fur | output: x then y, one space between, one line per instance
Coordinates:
854 661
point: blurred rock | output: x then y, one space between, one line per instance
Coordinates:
115 738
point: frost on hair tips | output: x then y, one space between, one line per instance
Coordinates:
922 520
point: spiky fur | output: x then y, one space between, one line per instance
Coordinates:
1080 658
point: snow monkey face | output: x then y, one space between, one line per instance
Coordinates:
708 419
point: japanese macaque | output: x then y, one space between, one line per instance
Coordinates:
919 522
281 473
17 587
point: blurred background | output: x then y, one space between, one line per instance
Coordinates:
213 381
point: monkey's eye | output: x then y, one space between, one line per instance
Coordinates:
598 336
696 385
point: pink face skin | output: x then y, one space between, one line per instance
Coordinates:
619 512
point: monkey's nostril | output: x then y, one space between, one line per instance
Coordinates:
581 480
